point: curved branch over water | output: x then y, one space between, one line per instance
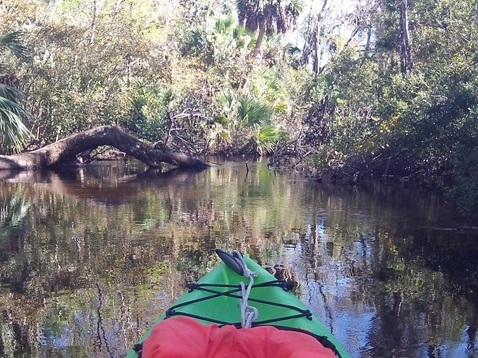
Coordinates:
65 151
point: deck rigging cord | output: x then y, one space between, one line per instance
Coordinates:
248 313
212 288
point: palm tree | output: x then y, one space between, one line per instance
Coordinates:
13 132
268 17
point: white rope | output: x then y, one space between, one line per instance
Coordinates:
248 313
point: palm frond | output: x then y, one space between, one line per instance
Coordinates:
266 138
14 133
225 25
9 92
253 112
14 42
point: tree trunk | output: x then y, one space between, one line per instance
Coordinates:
65 151
318 38
406 61
260 38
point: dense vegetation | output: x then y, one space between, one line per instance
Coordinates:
385 88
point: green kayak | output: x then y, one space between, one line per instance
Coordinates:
216 299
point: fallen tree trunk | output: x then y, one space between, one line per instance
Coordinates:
65 151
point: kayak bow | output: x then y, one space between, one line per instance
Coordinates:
216 297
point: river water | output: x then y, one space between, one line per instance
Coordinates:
90 257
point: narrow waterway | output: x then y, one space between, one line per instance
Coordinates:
91 257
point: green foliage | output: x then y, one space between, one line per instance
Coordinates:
278 16
228 41
113 64
14 43
266 139
14 133
182 73
462 183
150 113
85 71
252 112
464 190
268 17
255 116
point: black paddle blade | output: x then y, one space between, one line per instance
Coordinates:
230 260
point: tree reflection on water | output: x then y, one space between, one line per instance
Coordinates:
91 257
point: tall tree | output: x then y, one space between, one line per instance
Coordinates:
406 61
313 37
268 17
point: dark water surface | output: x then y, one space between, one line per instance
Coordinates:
89 258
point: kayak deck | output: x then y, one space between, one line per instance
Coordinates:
215 298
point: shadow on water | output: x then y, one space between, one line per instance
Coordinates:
89 257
